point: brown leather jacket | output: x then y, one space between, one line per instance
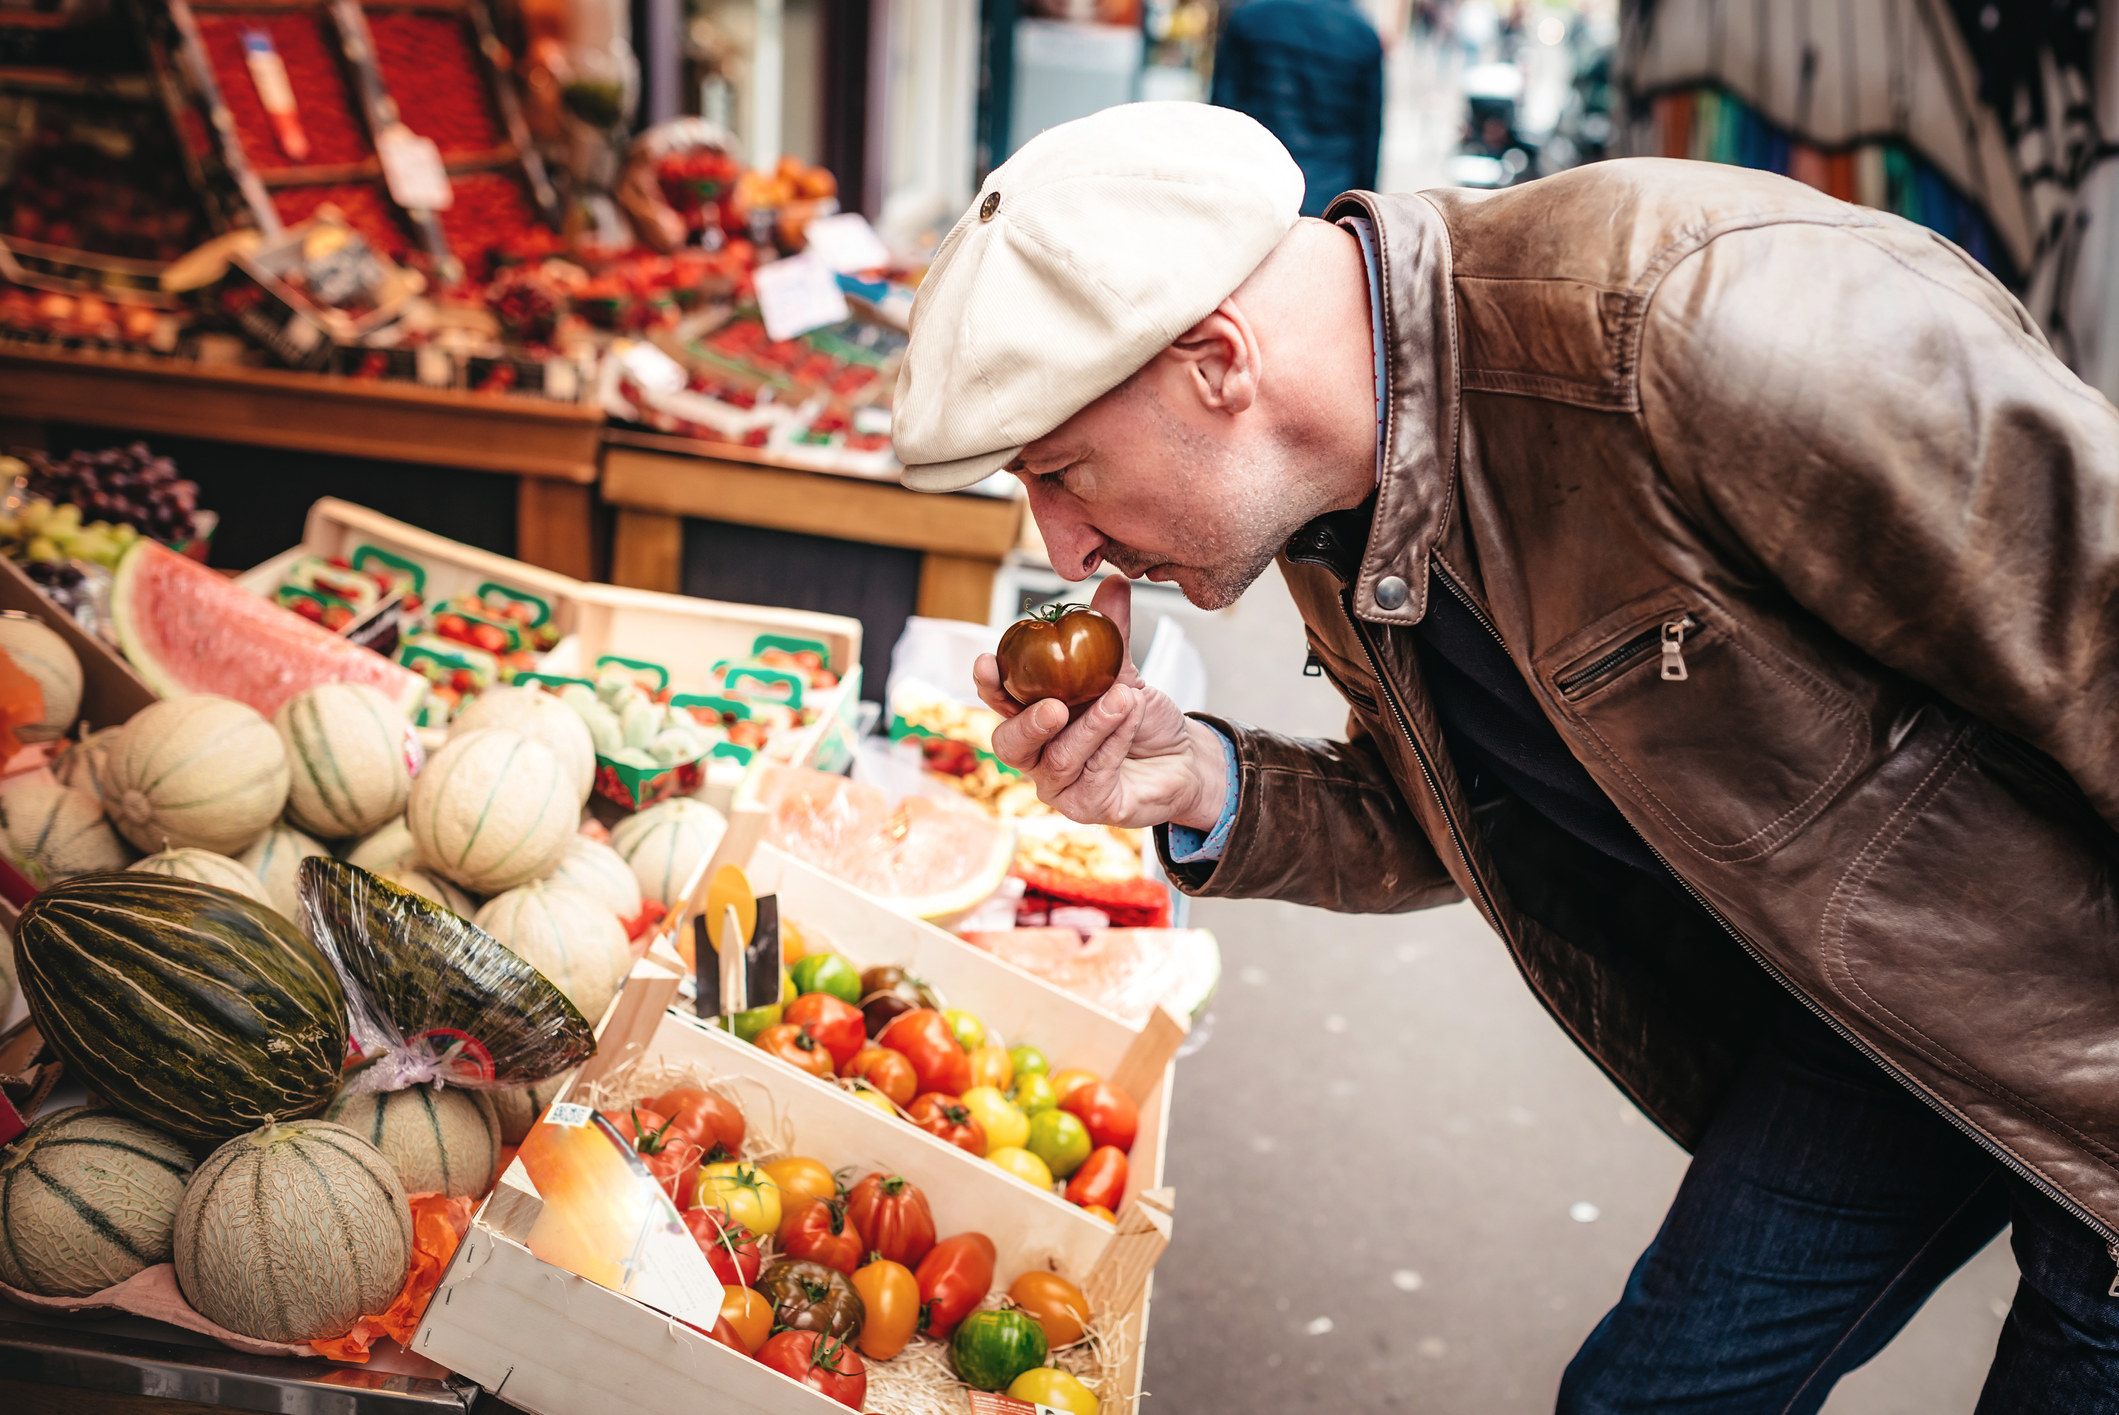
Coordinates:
1833 466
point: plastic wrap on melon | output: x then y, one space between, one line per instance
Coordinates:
432 997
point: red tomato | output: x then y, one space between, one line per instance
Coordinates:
886 1070
699 1117
731 1249
1101 1180
822 1233
893 1213
726 1335
798 1048
954 1278
1106 1112
650 1131
838 1025
924 1039
946 1118
1067 652
820 1363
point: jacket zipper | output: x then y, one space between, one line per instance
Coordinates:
1670 637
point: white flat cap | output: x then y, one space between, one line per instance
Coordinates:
1085 255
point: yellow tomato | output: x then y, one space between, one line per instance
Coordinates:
1101 1212
792 946
1055 1390
990 1066
801 1181
1024 1166
1006 1127
1056 1304
749 1313
869 1095
1065 1081
743 1192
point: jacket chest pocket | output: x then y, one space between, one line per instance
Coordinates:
1719 735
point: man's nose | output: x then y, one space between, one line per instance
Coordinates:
1074 546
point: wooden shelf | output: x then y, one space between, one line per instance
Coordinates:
393 422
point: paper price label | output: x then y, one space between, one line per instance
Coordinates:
798 294
413 169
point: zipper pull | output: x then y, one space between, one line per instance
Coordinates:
1674 650
1313 666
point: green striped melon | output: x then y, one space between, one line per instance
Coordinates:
293 1233
185 1006
81 765
87 1199
196 770
519 1106
538 715
492 810
207 868
346 759
565 935
52 832
439 1139
38 651
601 873
665 845
273 860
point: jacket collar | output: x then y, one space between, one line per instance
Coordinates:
1416 494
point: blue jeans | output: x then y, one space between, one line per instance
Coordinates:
1824 1205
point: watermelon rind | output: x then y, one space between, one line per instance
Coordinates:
184 1006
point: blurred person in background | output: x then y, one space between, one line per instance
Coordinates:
1311 71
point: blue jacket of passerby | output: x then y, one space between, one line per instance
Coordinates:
1312 72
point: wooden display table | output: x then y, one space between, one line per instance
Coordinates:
551 447
655 482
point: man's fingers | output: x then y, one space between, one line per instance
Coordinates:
1021 740
986 677
1069 752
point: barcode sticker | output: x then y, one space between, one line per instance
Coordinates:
568 1116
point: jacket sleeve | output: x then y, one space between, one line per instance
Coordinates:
1316 823
1876 425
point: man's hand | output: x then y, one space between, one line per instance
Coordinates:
1130 759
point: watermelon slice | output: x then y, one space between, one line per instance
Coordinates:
187 629
931 859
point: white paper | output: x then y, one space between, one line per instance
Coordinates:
797 295
653 370
413 169
847 243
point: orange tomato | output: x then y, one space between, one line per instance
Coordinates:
1101 1212
990 1066
746 1309
1064 1082
892 1296
1054 1303
887 1071
801 1181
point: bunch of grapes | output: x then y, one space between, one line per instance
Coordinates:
129 486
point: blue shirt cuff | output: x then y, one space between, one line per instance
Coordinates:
1187 846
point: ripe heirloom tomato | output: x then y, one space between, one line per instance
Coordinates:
727 1336
801 1181
1054 1389
750 1314
740 1191
1101 1181
699 1117
1065 1082
892 1296
969 1031
991 1066
1068 652
889 992
886 1070
946 1118
822 1233
1023 1165
924 1039
954 1278
820 1362
869 1096
1056 1304
731 1249
1107 1111
798 1048
835 1024
650 1133
1060 1140
811 1297
892 1212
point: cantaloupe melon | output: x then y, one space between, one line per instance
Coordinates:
565 935
346 759
439 1139
38 651
387 847
274 859
207 868
81 765
293 1232
492 810
428 885
538 715
601 873
199 770
53 833
519 1106
87 1199
665 845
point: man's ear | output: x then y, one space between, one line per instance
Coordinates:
1218 359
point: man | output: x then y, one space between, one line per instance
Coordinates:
1724 582
1312 72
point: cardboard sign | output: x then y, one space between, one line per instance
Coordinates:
413 169
798 294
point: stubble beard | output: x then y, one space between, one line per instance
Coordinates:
1258 512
